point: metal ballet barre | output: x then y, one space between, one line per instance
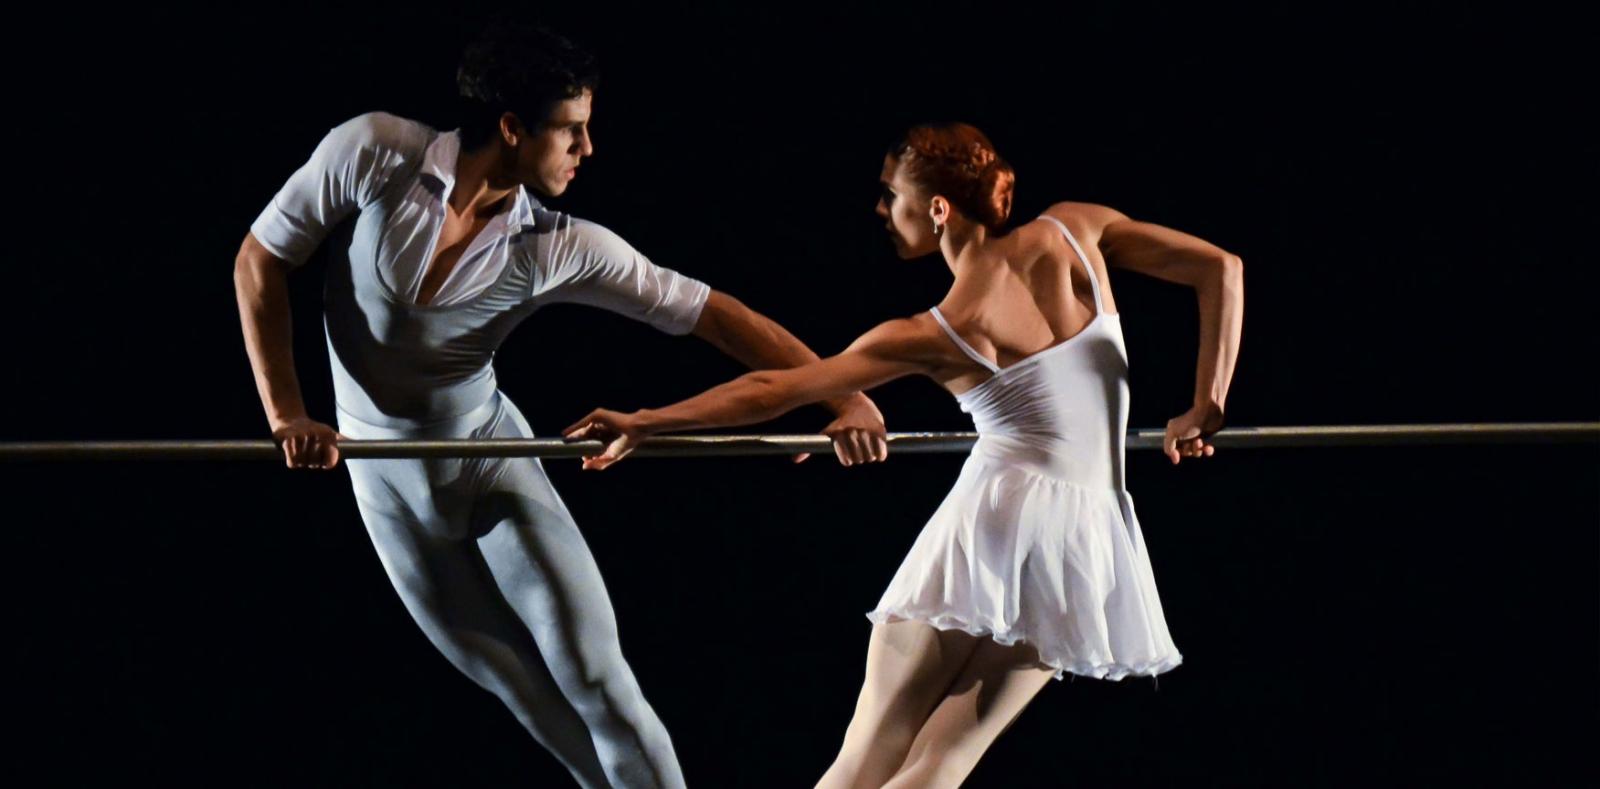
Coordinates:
745 445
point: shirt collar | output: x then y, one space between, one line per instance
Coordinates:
439 165
439 161
522 208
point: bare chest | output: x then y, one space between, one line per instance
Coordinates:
456 235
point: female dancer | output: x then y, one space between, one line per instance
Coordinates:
1034 566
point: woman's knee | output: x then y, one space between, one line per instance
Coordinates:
933 768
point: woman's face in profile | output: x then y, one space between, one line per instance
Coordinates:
905 213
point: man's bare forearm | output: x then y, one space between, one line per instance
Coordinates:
757 342
261 287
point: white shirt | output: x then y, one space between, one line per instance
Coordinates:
355 163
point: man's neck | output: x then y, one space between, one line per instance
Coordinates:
480 189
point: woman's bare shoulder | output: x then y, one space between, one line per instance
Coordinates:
1087 216
914 338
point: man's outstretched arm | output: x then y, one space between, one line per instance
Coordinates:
760 343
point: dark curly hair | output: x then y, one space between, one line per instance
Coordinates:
522 69
957 161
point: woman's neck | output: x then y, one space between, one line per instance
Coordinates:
962 244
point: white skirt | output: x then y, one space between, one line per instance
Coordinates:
1025 558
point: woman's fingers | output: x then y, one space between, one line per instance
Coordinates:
594 418
1193 448
841 450
862 448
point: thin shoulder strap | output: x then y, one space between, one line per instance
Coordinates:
1094 282
962 344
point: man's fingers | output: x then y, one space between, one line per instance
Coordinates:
801 458
327 452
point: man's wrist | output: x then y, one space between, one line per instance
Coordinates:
275 424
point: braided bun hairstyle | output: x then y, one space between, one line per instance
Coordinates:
956 161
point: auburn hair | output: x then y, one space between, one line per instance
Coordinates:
957 162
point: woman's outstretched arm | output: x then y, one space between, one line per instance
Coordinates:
891 350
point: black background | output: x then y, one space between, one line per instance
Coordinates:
1411 188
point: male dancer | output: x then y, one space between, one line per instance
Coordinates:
449 252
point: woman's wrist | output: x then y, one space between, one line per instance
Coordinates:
648 421
1210 411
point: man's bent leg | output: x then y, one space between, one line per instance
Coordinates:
549 576
447 587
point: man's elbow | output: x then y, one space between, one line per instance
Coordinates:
254 264
726 322
713 320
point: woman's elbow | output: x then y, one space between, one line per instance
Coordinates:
1229 271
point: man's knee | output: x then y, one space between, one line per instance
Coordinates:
604 690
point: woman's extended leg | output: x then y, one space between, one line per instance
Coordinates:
909 667
997 682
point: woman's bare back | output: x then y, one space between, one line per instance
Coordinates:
1028 293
